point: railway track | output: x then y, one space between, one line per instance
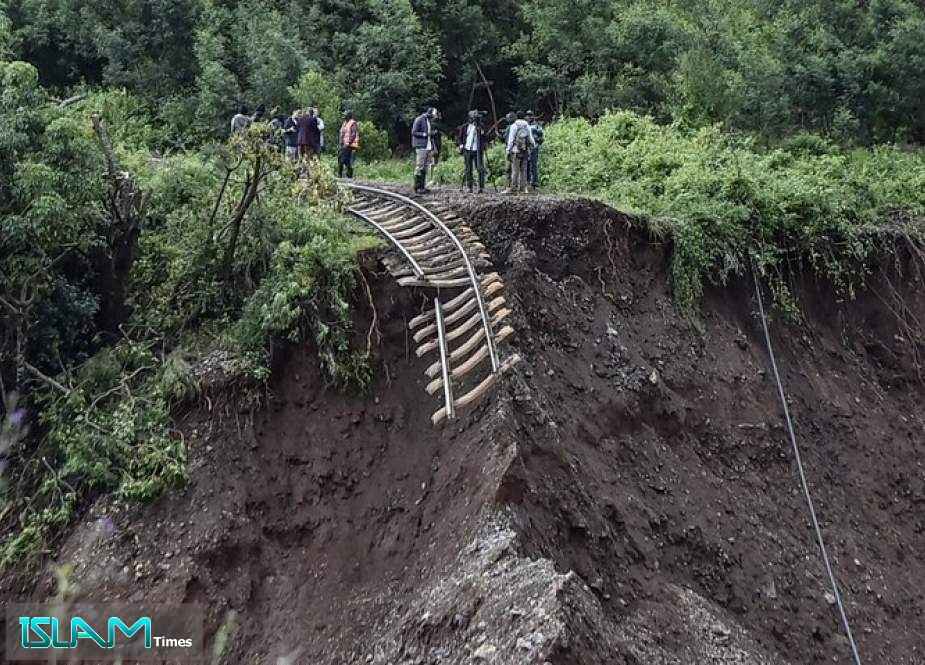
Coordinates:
435 250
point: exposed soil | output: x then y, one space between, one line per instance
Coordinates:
627 496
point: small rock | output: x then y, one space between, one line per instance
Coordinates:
771 590
523 644
137 597
597 584
720 629
485 652
829 598
653 377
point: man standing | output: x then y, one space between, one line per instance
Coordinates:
320 131
291 131
472 138
309 136
241 121
519 144
439 130
533 163
348 142
422 140
509 119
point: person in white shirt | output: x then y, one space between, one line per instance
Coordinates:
472 139
320 131
241 121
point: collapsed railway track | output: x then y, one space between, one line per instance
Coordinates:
435 250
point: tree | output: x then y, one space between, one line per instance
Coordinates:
6 33
314 89
272 55
51 185
217 89
388 66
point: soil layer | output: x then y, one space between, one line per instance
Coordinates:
628 495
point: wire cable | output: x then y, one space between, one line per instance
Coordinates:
803 481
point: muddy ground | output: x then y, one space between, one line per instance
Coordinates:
627 496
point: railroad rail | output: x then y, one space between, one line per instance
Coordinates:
435 249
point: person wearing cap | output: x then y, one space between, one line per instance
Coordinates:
472 138
348 143
422 140
533 161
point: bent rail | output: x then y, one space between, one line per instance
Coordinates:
473 278
433 251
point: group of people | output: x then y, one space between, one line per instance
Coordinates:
301 134
522 139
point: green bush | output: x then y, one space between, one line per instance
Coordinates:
725 203
374 142
228 251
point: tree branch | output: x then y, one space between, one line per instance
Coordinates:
39 374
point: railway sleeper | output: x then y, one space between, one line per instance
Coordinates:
470 306
478 391
474 361
491 284
466 347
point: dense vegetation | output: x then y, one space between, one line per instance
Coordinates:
851 70
119 269
136 238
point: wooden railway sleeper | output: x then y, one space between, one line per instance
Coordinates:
468 307
474 361
491 284
476 393
434 369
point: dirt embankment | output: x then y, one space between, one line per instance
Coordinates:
628 495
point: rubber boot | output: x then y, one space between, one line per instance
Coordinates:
419 187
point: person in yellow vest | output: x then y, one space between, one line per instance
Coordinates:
348 142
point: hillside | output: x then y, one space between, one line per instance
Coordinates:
627 495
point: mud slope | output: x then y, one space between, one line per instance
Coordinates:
628 495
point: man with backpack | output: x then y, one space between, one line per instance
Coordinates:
348 142
533 163
520 143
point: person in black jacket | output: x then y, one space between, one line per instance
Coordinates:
472 140
441 129
422 140
291 131
533 161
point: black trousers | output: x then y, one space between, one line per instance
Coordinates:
345 160
474 158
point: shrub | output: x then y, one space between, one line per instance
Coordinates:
727 204
374 142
